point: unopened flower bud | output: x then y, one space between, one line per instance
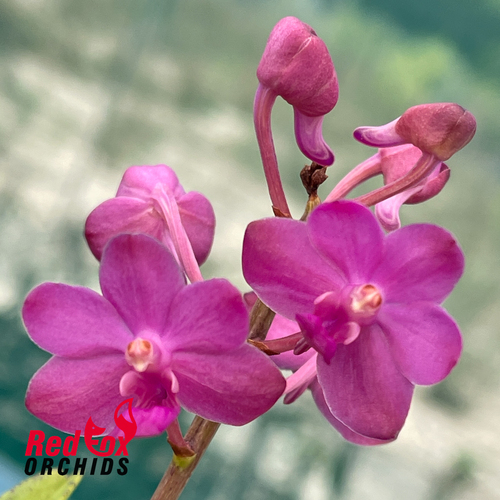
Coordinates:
439 129
297 66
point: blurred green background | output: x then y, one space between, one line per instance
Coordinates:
88 88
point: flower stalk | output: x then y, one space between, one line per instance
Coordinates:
263 105
199 436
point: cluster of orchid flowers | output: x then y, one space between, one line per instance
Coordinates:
347 300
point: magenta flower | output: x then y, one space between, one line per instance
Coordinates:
150 337
295 65
367 303
144 203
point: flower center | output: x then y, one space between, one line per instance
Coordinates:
151 380
365 301
140 354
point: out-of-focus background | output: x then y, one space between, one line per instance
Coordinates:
88 88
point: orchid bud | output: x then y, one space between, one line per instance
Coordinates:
297 66
439 129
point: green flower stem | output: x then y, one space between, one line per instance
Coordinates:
199 436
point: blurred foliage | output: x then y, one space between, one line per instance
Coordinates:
473 27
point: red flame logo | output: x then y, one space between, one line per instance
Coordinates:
129 428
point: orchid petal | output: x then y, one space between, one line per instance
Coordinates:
64 393
387 211
73 321
433 185
198 219
140 277
121 215
421 262
364 388
425 341
310 140
283 268
346 433
232 388
347 234
167 205
300 380
207 316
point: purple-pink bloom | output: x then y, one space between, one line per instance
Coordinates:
150 337
141 206
368 303
307 377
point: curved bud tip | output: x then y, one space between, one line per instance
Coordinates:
440 129
297 66
383 136
309 136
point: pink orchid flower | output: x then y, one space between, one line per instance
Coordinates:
150 337
368 303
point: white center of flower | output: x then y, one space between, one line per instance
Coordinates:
365 301
140 354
